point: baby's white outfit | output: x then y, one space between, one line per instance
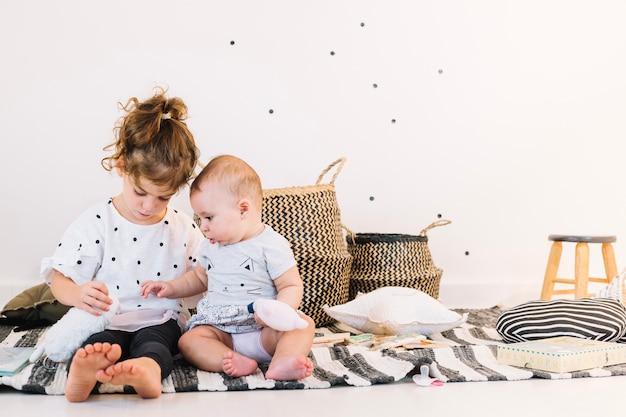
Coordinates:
239 274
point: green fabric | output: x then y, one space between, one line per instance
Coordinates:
35 303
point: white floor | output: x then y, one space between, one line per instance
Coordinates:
584 396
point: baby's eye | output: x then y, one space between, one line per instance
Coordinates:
209 218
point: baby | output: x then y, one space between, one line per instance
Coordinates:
241 261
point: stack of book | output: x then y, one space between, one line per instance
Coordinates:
562 354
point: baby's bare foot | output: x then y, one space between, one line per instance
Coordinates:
290 368
143 374
86 363
235 364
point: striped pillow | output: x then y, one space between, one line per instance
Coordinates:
588 318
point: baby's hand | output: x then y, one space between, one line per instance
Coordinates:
160 288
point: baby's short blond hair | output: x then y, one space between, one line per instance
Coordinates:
235 175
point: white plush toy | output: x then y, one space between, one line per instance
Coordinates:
67 335
278 315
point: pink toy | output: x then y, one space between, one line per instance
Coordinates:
278 315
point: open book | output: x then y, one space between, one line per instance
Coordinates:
14 359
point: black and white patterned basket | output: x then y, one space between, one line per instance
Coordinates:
395 260
309 218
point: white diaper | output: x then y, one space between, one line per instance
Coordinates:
249 344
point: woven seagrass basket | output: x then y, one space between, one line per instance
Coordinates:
393 260
310 219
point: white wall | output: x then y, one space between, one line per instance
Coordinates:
509 117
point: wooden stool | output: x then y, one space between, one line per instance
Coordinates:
581 278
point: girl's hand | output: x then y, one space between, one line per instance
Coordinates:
160 288
94 298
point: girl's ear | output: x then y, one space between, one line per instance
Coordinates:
119 166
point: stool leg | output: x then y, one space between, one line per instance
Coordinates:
551 271
610 265
582 270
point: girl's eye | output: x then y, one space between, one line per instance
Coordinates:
165 198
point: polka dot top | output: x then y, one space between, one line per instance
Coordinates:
102 245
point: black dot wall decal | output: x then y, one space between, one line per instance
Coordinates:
375 85
332 53
232 42
440 71
371 198
393 120
362 24
466 253
438 216
271 111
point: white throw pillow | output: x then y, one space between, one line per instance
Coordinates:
395 311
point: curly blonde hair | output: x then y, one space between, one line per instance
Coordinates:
153 142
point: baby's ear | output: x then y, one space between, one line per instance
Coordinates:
244 207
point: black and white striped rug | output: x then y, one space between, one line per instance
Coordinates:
469 357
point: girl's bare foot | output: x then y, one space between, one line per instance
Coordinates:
143 374
290 368
86 363
235 364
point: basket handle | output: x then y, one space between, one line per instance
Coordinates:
349 233
339 162
433 225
